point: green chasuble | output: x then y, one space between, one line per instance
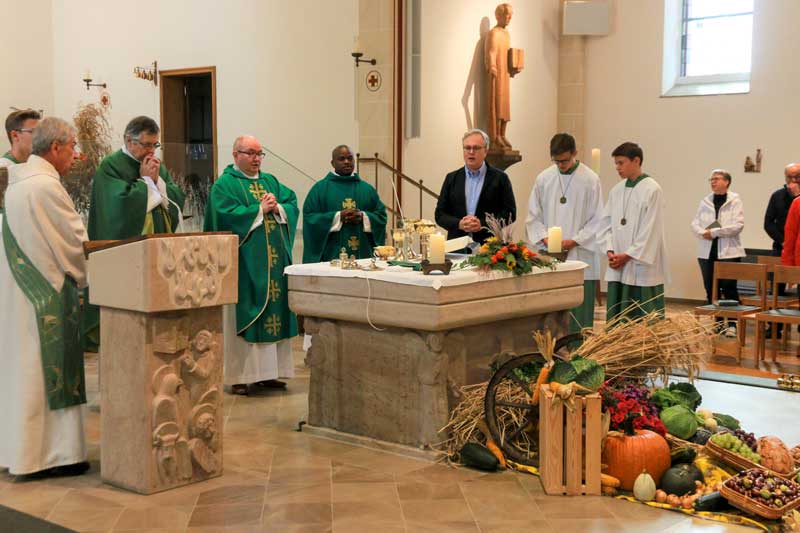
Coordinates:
119 201
262 313
58 317
583 315
326 198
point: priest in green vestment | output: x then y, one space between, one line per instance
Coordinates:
342 211
633 234
132 194
263 213
42 269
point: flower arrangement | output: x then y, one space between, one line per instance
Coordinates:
631 400
499 252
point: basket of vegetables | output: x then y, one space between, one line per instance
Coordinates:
742 451
760 492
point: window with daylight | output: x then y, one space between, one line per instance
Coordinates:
708 46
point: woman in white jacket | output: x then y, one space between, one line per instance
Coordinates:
717 225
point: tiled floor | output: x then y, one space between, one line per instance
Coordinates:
277 479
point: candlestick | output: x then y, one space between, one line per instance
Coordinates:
596 160
436 244
554 239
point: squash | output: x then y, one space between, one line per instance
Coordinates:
713 501
478 456
775 455
685 454
644 488
628 453
680 479
609 481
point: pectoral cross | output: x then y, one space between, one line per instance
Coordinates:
257 190
272 256
274 291
354 243
349 203
273 325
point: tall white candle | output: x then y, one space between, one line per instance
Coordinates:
596 160
554 239
436 244
87 75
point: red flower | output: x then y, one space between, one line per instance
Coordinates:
513 247
500 255
504 249
494 259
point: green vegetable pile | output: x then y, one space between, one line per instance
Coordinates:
585 372
679 421
677 394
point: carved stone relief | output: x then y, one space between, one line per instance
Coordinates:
194 268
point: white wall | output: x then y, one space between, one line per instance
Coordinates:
685 137
26 57
451 32
284 71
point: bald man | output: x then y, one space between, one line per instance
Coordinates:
263 213
778 207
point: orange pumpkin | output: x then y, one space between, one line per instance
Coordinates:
628 454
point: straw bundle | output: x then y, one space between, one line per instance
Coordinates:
94 138
634 348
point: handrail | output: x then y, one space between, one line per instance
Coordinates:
377 161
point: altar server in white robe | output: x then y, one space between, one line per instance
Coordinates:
633 235
568 194
42 267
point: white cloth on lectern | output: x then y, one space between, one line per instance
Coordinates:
248 362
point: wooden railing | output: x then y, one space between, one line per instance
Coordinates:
381 164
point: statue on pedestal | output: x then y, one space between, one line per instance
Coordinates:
502 63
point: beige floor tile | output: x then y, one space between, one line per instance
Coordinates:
301 528
441 527
154 518
442 474
421 490
696 525
362 492
349 513
102 519
573 507
387 462
297 513
91 499
344 473
288 457
227 529
587 525
37 499
491 501
369 527
226 515
233 495
518 526
290 493
437 511
299 475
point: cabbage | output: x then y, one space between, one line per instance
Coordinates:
585 372
679 421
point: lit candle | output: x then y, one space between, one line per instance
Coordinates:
554 240
436 244
596 160
88 75
397 236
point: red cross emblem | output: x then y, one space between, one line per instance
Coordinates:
374 80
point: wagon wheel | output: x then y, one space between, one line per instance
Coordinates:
514 423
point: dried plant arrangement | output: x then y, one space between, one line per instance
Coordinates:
94 135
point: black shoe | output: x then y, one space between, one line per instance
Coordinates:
75 469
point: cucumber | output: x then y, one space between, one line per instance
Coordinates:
713 501
479 456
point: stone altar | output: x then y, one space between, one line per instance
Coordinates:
161 358
396 381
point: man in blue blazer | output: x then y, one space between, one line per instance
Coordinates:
474 190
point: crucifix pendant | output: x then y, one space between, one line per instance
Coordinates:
623 221
563 199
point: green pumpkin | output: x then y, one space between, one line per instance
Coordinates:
679 479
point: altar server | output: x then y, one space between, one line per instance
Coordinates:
263 213
568 195
42 268
342 211
19 129
633 235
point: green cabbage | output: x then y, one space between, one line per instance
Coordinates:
677 394
679 421
585 372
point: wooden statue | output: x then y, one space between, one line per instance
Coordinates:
502 63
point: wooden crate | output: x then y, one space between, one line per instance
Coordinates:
569 445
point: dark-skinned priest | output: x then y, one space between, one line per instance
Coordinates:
342 211
132 194
263 213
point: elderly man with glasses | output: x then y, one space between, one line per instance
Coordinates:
132 194
472 191
263 212
568 194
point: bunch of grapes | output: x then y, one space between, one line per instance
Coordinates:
764 488
747 438
729 442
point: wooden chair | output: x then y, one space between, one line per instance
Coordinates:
741 313
776 313
785 301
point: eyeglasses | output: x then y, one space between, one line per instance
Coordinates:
473 148
561 161
251 153
146 146
24 130
712 180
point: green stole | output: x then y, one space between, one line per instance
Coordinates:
11 158
631 184
326 198
58 318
